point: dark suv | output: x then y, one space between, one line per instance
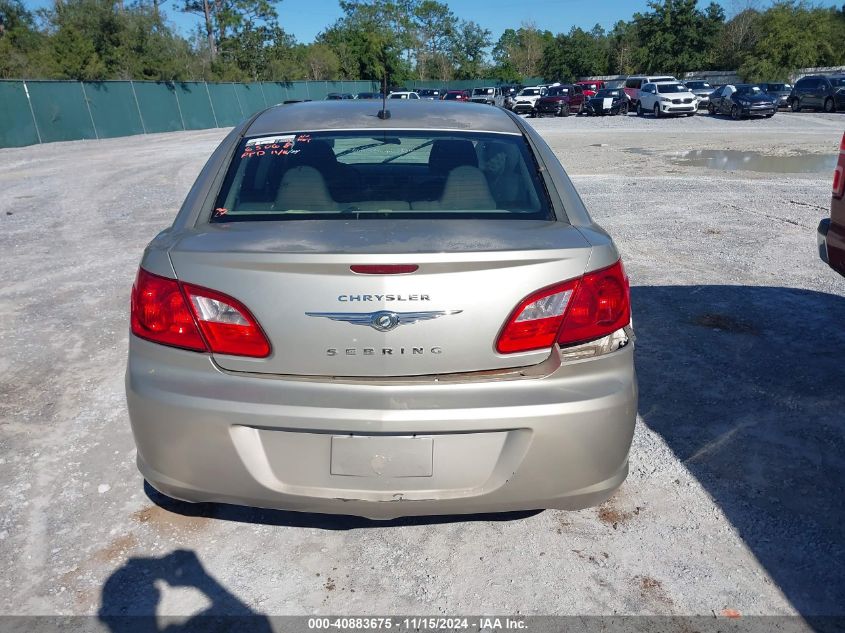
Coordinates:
818 92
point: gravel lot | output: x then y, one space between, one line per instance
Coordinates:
735 497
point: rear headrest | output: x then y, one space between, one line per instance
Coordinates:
466 188
304 188
317 154
446 154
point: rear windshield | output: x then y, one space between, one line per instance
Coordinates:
778 87
748 90
409 174
557 91
607 92
669 88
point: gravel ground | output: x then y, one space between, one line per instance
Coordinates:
734 500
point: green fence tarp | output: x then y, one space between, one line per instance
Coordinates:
225 103
113 107
61 112
297 90
17 128
250 97
195 105
274 92
159 109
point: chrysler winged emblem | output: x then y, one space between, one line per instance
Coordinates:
383 320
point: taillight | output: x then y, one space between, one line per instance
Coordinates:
601 306
571 312
226 324
536 321
383 269
161 314
182 315
839 172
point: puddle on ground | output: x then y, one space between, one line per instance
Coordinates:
730 160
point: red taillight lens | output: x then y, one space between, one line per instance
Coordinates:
839 172
161 314
197 319
536 321
601 305
574 311
226 324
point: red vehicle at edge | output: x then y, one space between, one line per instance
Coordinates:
831 233
590 87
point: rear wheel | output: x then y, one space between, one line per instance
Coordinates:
796 105
711 109
828 105
623 109
640 109
735 113
656 111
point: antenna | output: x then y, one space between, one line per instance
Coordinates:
384 113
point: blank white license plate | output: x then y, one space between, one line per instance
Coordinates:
380 456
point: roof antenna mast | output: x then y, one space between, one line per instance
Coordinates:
384 113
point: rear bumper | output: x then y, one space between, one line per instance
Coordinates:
560 440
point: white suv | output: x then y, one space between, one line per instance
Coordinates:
666 98
527 98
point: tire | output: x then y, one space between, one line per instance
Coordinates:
691 114
564 109
640 109
795 105
656 111
623 109
711 109
736 114
769 116
829 106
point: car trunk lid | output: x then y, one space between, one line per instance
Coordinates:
324 319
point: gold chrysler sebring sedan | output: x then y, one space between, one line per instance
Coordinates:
383 314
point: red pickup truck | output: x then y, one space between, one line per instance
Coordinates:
831 233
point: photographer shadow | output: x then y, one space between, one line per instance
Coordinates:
130 598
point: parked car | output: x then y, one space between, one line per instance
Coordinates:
779 90
607 101
590 87
431 94
279 357
457 95
635 82
489 95
370 95
702 90
339 96
527 99
666 99
818 92
742 101
560 100
831 232
510 93
403 94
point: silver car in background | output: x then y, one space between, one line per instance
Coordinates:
383 316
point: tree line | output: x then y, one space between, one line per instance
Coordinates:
245 40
